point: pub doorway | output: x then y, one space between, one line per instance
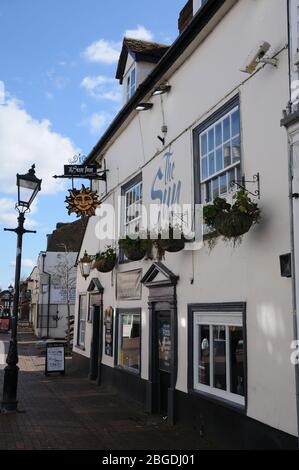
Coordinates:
95 317
160 396
163 366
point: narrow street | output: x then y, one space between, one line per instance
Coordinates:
71 413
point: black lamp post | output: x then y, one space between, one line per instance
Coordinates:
28 186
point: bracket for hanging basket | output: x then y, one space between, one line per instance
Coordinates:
242 185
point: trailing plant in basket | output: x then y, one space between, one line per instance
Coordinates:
105 260
136 248
231 221
171 240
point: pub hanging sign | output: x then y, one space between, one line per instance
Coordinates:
83 202
80 170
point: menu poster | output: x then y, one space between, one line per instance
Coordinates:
164 344
55 358
108 321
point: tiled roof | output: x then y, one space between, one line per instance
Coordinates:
141 50
151 48
69 234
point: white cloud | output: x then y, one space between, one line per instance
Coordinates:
58 81
24 141
8 214
108 52
139 33
26 263
97 122
102 88
2 92
103 51
90 83
115 96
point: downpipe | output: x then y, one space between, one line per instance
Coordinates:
49 294
294 276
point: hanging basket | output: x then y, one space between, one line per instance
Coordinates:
134 249
174 245
233 225
105 261
169 244
231 221
135 253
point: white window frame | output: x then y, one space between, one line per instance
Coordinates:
81 322
123 313
133 204
225 171
215 319
131 86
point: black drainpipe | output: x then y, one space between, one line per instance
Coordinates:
100 338
49 294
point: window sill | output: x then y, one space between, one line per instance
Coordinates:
219 401
128 371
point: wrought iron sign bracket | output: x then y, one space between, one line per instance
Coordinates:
181 217
242 185
91 178
102 177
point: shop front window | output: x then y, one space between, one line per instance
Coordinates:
219 355
129 336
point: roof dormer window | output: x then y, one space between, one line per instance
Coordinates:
131 83
137 59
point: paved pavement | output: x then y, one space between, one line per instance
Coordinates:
71 413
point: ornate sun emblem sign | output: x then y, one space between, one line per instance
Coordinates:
82 202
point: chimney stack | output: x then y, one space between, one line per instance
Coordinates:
187 13
186 16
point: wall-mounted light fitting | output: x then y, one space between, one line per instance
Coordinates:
144 106
161 89
286 265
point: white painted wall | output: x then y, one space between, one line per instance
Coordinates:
54 263
250 273
294 47
34 290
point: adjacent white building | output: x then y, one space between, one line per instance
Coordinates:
52 282
225 316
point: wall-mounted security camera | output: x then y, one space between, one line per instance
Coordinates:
258 56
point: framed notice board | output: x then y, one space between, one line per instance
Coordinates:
55 359
108 321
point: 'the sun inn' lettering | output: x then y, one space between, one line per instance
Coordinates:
164 188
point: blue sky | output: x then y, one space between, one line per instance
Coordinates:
58 94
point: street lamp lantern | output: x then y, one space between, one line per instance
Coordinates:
85 264
10 289
28 187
